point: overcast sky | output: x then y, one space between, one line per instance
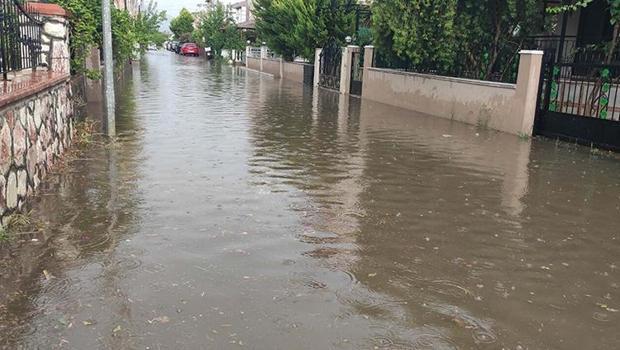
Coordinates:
173 7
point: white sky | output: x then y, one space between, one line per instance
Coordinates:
173 7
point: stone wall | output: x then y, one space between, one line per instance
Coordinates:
36 114
34 133
54 37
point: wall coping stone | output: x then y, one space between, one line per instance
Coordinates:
298 63
48 9
35 83
450 79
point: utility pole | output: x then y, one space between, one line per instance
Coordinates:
108 70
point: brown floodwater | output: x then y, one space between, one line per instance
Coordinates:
239 211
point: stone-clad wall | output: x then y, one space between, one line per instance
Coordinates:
34 133
54 36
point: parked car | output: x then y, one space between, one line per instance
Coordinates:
190 49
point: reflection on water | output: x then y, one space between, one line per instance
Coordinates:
241 211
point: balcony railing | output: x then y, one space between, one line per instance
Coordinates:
20 37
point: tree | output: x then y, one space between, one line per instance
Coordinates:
481 37
297 27
218 30
147 24
127 31
417 30
490 34
182 26
614 9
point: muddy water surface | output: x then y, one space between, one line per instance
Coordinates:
239 211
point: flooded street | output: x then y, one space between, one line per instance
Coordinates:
239 211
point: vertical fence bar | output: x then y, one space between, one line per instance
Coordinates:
3 50
20 37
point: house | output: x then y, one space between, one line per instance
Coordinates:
580 91
580 34
132 6
242 14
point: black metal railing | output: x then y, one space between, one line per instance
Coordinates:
329 65
586 90
575 49
504 70
20 37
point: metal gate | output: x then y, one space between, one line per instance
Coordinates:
309 74
357 73
329 69
578 102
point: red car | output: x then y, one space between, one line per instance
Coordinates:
190 49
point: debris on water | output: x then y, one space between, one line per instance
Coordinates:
606 307
352 213
161 319
63 321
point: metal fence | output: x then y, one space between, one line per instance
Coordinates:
20 37
574 49
272 55
255 52
505 70
586 90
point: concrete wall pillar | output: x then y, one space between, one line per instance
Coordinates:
369 56
317 66
263 55
281 68
526 95
345 68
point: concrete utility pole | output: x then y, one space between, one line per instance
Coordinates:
108 70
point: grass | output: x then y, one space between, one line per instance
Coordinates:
17 222
523 136
4 236
85 132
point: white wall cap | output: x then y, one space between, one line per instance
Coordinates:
531 52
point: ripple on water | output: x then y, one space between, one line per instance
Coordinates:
481 330
450 288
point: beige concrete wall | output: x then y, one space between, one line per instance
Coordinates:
482 103
505 107
253 63
293 71
271 66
